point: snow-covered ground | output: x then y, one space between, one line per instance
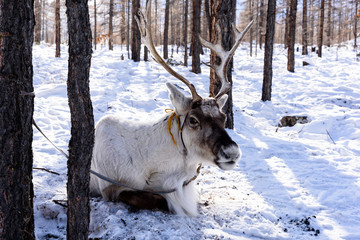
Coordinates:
300 182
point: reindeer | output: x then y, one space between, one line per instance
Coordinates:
158 162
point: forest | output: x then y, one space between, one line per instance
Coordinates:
292 109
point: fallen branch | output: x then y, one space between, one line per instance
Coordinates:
47 170
59 202
330 137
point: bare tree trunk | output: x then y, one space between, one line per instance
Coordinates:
57 31
222 13
208 17
261 23
136 39
269 44
43 20
111 29
329 24
251 29
128 30
291 37
185 32
312 23
321 28
357 15
196 45
304 29
286 33
95 23
37 38
166 29
16 112
82 119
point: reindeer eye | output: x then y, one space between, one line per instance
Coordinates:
193 122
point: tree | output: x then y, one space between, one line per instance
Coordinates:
356 16
269 44
222 12
185 32
304 29
111 15
166 29
16 112
95 23
321 28
329 24
291 36
136 38
82 119
37 29
195 42
57 26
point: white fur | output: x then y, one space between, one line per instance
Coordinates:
144 156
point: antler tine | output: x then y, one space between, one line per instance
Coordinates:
225 56
146 39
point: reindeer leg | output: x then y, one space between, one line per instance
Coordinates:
137 199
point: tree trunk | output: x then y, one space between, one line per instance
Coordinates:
111 29
16 112
166 29
185 32
146 55
286 33
208 17
37 29
291 36
269 43
304 29
128 29
321 28
82 119
221 12
357 15
329 24
261 23
57 31
136 38
196 45
251 29
95 23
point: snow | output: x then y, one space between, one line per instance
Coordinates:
300 182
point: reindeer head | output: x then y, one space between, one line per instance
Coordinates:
203 126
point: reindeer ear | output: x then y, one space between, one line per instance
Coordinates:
178 99
221 101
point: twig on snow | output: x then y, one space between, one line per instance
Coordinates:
330 137
47 170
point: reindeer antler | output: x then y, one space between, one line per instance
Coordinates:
225 56
146 38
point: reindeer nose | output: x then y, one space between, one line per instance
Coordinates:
228 156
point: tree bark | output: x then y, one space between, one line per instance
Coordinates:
269 43
16 112
196 45
208 17
251 29
37 29
166 30
291 36
128 29
111 29
304 29
321 28
57 30
286 33
357 15
221 12
136 38
95 23
186 32
82 119
329 24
